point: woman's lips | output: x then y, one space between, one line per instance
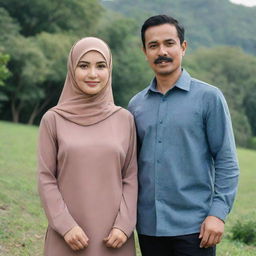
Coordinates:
91 83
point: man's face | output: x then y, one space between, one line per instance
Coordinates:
163 41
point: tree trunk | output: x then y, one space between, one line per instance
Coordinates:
33 115
15 113
37 109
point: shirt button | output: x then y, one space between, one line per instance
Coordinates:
161 121
158 161
159 141
163 99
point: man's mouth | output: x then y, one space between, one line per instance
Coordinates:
163 60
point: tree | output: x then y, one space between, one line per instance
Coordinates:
207 22
38 58
53 16
28 70
55 48
4 74
250 105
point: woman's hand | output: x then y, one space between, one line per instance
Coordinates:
76 238
116 238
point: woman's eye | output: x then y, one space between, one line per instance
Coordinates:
83 66
101 66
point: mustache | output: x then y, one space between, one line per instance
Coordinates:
163 58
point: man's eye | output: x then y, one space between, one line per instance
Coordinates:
152 46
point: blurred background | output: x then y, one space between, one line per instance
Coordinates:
37 35
35 39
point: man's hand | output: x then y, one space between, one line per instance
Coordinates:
211 231
76 238
115 239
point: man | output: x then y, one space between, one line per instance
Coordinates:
188 169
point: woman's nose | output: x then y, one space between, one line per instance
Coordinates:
92 73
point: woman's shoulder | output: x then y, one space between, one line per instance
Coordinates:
49 117
123 118
124 113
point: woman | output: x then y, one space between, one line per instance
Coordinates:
87 170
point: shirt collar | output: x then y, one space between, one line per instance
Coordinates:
182 83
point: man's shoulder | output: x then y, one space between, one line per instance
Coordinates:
137 98
207 92
204 87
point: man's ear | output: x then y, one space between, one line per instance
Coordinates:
184 47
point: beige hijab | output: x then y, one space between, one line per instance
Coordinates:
76 106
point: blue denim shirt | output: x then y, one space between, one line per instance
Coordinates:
188 167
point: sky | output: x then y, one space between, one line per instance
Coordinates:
244 2
249 3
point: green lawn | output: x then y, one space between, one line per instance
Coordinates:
22 222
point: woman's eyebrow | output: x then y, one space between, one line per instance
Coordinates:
87 62
82 61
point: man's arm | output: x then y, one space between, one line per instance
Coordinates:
223 150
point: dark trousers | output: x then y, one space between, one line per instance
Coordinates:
187 245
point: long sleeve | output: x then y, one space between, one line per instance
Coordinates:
126 218
55 208
222 146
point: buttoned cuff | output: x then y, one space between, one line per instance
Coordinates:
219 210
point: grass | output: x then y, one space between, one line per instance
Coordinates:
22 221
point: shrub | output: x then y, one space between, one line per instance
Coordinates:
245 232
252 143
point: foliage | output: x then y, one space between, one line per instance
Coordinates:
4 72
37 40
207 23
252 143
28 70
245 231
250 104
53 16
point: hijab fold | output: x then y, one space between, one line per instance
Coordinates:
76 106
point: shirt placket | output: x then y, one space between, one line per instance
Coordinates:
162 112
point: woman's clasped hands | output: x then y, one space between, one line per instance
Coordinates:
77 239
115 239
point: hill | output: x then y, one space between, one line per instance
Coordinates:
23 223
207 22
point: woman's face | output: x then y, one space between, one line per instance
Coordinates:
92 73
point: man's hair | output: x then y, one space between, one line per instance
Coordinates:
160 20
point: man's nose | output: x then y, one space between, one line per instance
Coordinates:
162 51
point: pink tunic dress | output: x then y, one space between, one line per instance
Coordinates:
87 176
